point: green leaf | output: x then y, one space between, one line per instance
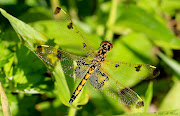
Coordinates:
64 85
4 102
173 64
26 76
148 96
170 5
149 5
139 20
171 101
30 35
5 54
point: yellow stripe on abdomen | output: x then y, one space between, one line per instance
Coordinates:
80 87
76 92
81 84
87 76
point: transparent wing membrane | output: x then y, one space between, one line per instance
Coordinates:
98 78
70 32
116 90
125 70
52 55
81 69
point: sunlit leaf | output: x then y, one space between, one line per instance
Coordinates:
170 6
173 64
148 96
139 20
171 101
30 35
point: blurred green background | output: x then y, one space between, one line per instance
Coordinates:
141 31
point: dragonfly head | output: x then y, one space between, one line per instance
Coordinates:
106 45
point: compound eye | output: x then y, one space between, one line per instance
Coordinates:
110 46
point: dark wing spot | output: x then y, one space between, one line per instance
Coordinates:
102 83
83 63
57 10
77 71
58 54
117 65
39 49
156 72
138 68
70 26
140 104
124 91
84 45
78 63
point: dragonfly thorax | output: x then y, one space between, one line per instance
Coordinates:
105 47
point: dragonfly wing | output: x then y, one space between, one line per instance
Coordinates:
52 55
98 78
116 90
82 68
127 70
70 32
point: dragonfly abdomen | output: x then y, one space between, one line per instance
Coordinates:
82 83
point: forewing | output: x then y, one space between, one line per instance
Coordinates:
52 55
116 90
71 34
125 70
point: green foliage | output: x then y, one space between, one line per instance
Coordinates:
172 94
138 30
139 20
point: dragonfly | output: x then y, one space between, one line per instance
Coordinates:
95 68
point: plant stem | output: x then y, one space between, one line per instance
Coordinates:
111 20
72 111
